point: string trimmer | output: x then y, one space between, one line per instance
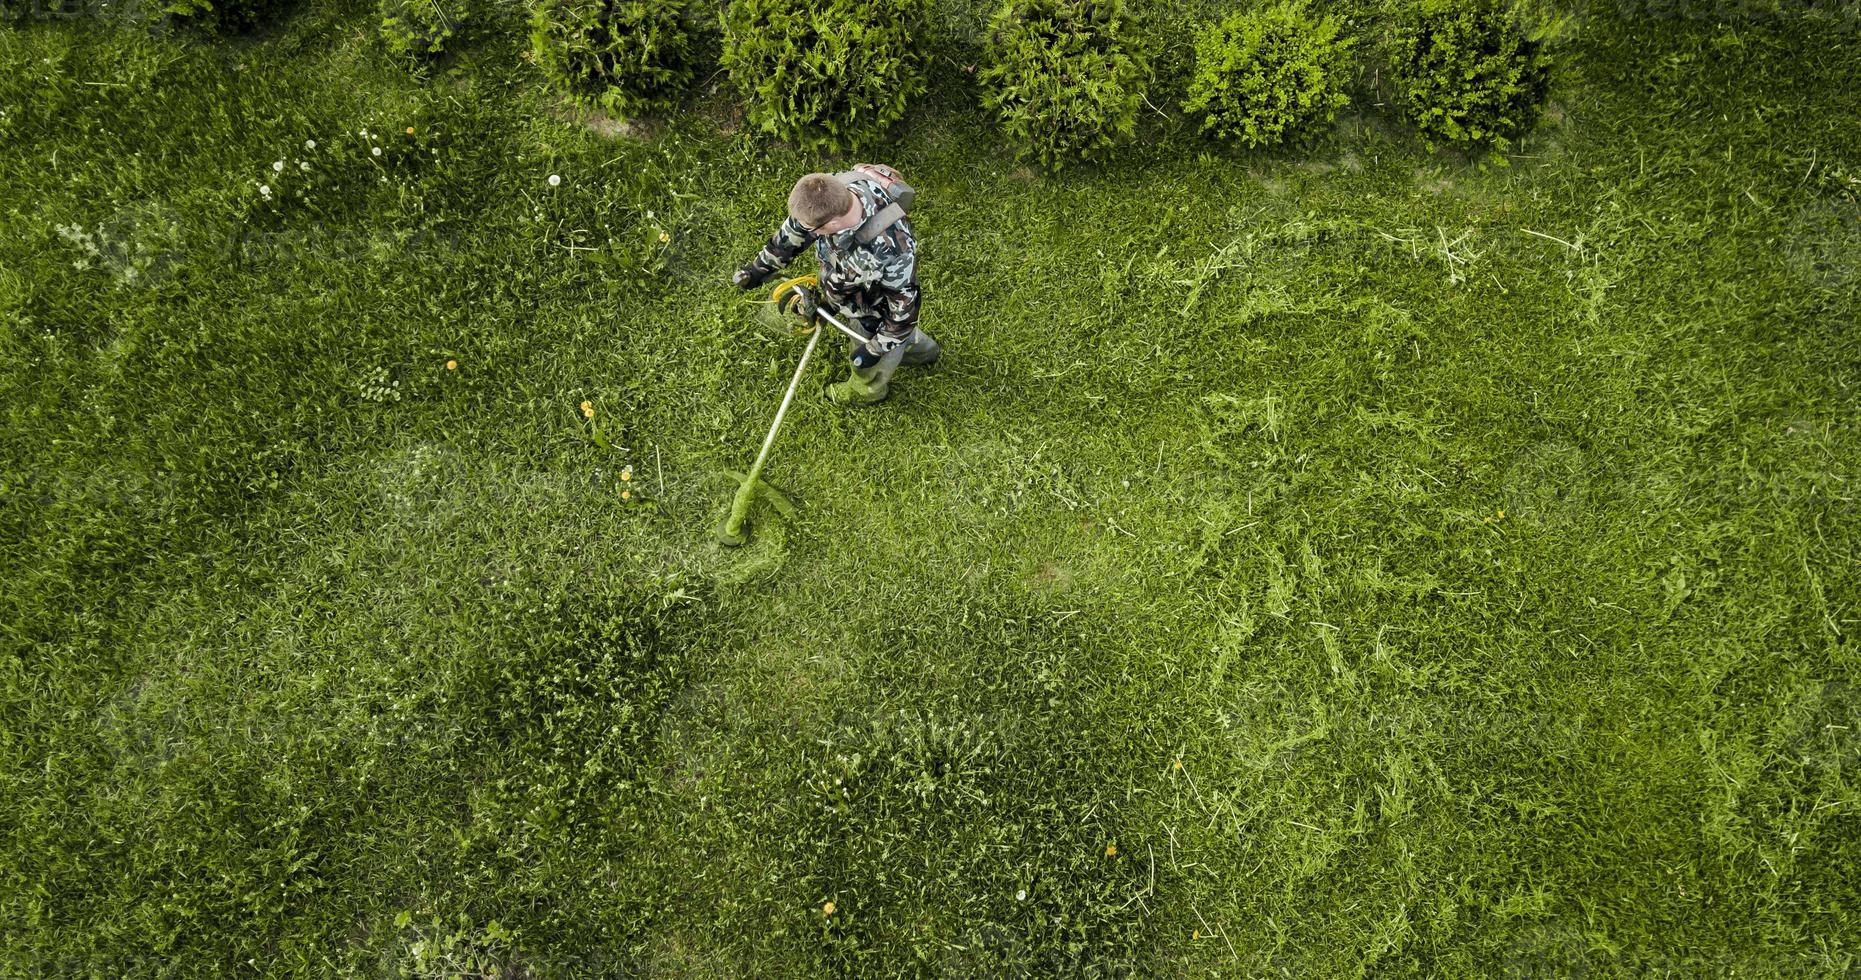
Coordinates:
790 296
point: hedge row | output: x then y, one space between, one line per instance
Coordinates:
1065 79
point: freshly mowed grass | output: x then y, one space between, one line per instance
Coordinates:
1315 563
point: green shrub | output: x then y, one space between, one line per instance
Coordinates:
415 28
227 15
1064 76
830 75
1464 71
624 57
1263 77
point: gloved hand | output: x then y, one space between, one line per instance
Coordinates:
801 303
872 351
749 277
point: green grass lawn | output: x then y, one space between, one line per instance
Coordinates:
1331 562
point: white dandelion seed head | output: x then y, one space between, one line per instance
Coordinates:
264 190
278 166
303 164
555 179
1021 896
310 144
376 151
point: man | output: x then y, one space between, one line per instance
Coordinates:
873 287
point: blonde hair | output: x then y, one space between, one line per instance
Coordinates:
818 198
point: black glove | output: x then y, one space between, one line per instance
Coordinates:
801 303
873 351
749 277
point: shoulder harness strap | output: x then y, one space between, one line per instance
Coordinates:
882 219
876 225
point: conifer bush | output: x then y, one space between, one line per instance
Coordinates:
1464 71
1266 76
1064 77
830 75
623 57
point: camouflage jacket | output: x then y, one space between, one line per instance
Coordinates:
876 283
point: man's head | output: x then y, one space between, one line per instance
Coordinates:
823 204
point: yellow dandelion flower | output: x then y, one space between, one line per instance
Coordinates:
1179 763
452 365
410 130
828 908
626 476
587 406
587 413
626 495
664 237
1195 934
1502 513
1111 849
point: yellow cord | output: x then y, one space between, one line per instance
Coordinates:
777 296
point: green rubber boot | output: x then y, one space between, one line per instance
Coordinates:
856 390
922 350
871 385
867 385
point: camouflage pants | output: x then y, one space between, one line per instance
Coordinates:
870 379
861 308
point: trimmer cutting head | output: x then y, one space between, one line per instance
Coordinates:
736 539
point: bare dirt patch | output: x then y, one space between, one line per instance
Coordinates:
604 125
